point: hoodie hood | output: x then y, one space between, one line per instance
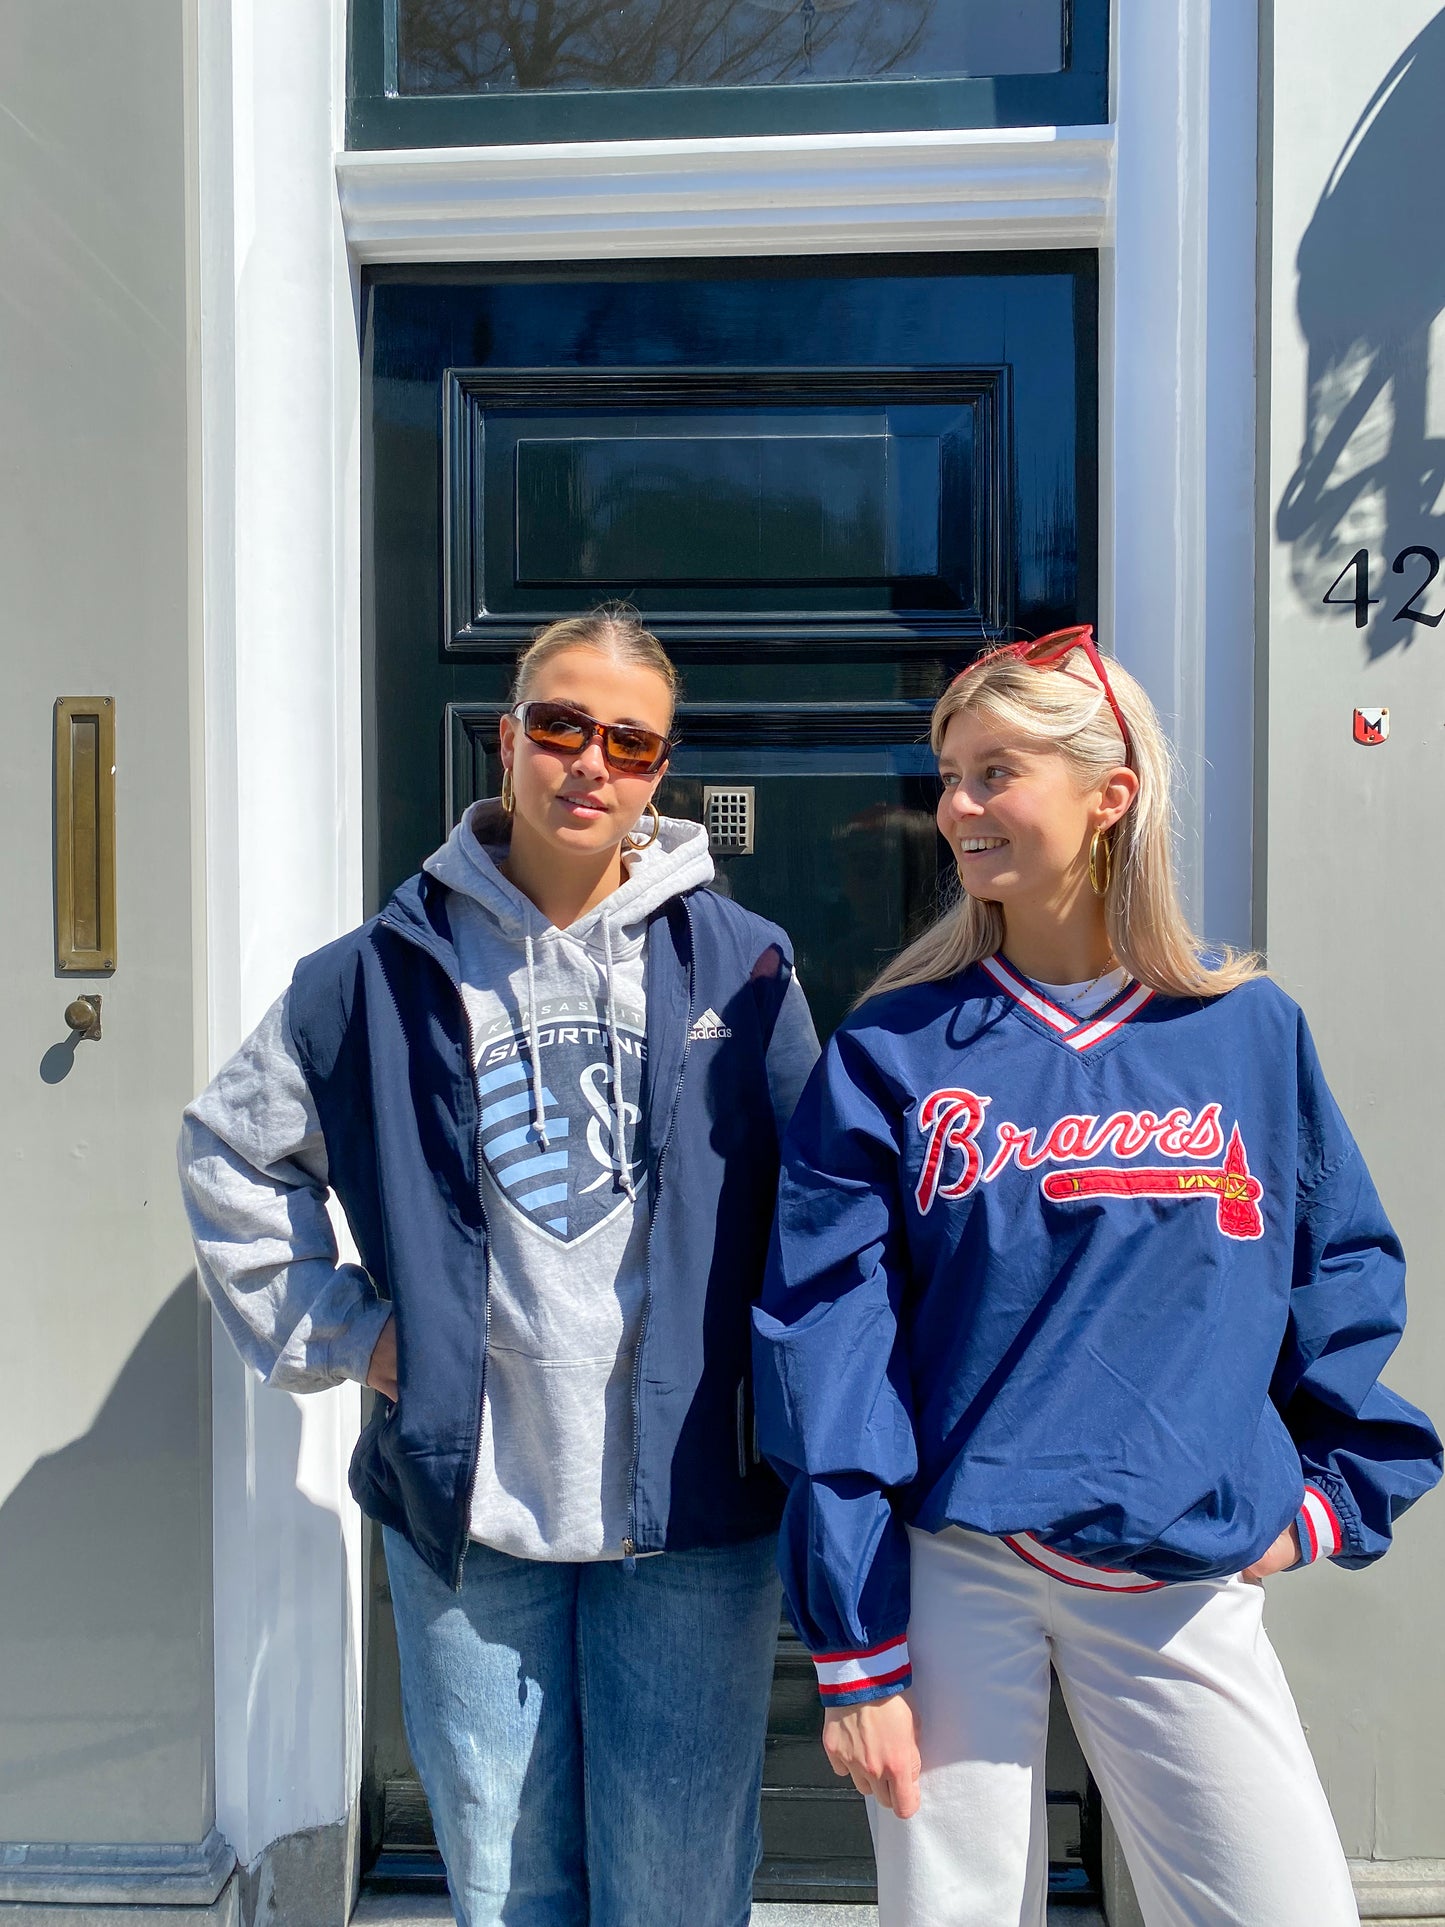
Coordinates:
611 935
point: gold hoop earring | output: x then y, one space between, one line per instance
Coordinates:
648 841
1100 872
509 795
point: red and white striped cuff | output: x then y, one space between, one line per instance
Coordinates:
846 1678
1320 1532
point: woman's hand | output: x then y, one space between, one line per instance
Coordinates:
1283 1554
876 1745
381 1372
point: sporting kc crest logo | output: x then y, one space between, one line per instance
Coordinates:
953 1160
571 1183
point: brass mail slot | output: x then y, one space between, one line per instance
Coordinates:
85 833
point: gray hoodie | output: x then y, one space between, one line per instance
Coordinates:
558 1026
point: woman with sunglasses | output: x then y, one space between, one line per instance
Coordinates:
547 1085
1071 1335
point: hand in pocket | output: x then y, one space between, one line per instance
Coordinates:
381 1372
1283 1554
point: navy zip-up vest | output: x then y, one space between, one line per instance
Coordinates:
381 1030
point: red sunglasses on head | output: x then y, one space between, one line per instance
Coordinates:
1047 652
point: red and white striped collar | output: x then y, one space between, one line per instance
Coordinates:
1078 1035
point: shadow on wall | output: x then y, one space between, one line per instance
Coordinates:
1371 475
105 1607
105 1714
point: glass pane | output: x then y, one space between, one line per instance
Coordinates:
513 46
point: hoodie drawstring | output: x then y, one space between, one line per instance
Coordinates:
534 1051
621 1162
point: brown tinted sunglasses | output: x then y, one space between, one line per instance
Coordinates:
627 748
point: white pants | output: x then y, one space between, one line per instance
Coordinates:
1183 1713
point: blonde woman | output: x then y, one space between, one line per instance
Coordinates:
1072 1330
547 1085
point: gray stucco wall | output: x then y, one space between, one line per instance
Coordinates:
1353 886
105 1536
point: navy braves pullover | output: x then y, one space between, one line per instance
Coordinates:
1117 1290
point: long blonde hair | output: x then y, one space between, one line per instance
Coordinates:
1147 929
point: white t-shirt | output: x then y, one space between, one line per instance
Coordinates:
1082 1000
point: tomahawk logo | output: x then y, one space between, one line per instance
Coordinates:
707 1026
1228 1186
951 1122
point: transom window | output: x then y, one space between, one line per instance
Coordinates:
507 46
448 72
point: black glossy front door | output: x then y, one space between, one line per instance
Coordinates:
824 483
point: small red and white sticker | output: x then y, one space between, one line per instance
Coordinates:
1371 725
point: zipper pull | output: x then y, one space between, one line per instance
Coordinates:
629 1555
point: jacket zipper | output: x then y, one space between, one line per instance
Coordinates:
486 1301
629 1544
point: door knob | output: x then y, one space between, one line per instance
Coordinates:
83 1017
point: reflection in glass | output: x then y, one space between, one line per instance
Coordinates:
510 46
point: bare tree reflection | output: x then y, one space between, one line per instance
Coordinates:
472 46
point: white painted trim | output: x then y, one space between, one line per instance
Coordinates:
1155 426
279 520
1177 414
1229 578
1033 187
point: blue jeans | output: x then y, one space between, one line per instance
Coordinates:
591 1740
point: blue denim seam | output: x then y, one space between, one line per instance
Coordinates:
692 1757
580 1661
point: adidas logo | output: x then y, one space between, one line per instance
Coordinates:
708 1025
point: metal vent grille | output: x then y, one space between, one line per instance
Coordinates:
728 815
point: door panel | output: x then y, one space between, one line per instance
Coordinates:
825 484
859 505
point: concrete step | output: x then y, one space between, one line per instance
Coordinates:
771 1914
425 1910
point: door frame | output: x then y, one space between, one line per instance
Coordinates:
281 221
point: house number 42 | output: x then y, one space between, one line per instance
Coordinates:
1362 601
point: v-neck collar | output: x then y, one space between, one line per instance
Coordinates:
1079 1034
